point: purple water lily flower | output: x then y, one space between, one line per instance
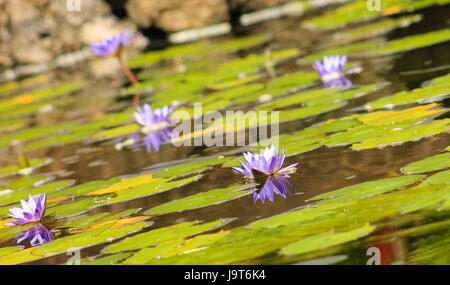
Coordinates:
269 161
267 170
332 72
37 234
31 211
156 125
111 46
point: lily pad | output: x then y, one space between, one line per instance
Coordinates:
200 200
326 240
433 163
437 91
157 236
413 42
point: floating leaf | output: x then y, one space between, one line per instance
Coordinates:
189 168
326 240
200 200
108 260
413 42
233 83
432 249
374 29
79 241
442 193
98 218
174 247
15 196
371 188
433 163
127 183
394 136
157 236
118 223
440 177
437 91
354 12
152 188
15 169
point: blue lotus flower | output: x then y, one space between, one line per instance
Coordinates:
269 162
37 234
112 46
31 211
156 125
332 72
267 170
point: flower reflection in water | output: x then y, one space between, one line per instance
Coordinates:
274 185
343 82
331 71
36 234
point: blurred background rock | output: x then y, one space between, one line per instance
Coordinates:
38 31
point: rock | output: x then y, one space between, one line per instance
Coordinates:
176 15
245 6
21 11
31 54
38 31
104 67
99 29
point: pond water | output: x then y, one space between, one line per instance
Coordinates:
373 174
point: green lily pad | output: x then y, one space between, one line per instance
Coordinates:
88 238
151 188
368 189
326 240
98 218
157 236
413 42
107 260
395 137
375 29
442 194
189 168
15 169
200 200
15 196
174 247
437 91
440 177
26 182
431 250
433 163
357 11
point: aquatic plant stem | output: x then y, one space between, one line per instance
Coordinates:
133 80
